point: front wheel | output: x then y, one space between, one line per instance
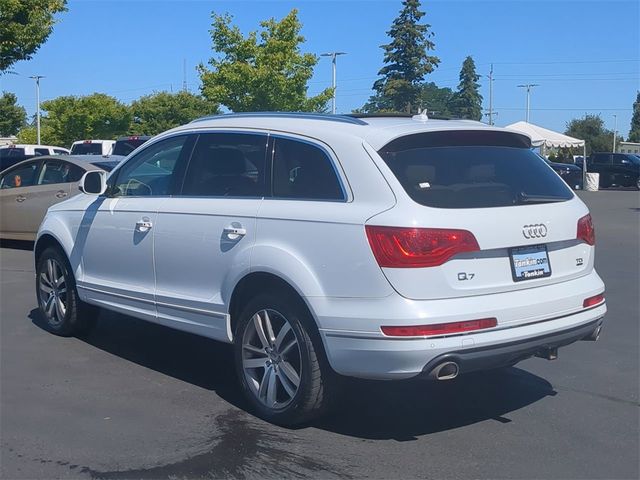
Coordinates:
279 368
65 314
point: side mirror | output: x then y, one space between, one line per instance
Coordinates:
93 182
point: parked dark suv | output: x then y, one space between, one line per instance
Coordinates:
621 169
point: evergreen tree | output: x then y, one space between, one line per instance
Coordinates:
634 134
406 60
12 115
468 101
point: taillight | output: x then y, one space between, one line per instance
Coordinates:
440 328
586 232
592 301
399 247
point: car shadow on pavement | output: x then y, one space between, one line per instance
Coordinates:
399 410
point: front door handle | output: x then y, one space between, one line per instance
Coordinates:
234 232
20 198
144 225
61 194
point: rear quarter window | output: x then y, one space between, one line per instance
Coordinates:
461 169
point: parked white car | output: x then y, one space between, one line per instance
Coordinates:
382 248
92 147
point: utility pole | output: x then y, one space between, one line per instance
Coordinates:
528 86
491 112
37 79
184 74
333 56
615 132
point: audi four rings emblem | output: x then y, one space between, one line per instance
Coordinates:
537 230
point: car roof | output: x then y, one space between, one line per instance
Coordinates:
376 130
134 137
25 145
80 160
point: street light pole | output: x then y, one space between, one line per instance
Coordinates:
528 86
615 132
37 79
333 56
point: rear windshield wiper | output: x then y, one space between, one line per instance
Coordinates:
525 198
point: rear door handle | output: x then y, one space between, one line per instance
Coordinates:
61 194
20 198
144 225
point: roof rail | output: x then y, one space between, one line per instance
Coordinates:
394 115
298 115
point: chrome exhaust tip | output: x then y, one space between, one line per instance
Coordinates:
446 371
593 336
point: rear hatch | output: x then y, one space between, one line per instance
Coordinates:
482 214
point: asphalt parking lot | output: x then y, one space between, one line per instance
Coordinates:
135 400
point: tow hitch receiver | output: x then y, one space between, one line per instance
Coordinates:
548 353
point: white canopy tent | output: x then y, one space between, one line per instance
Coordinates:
543 137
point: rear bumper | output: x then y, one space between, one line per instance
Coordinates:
506 354
528 321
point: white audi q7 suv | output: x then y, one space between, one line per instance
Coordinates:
328 246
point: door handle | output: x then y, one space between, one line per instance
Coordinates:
20 198
143 225
234 232
61 194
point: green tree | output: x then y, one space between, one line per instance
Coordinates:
634 133
72 118
591 130
467 101
24 26
12 115
406 60
438 101
161 111
263 71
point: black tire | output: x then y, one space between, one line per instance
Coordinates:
311 398
77 317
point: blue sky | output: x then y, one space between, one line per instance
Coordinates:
584 54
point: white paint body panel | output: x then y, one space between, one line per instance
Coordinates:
183 272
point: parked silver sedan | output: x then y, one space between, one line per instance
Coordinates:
30 187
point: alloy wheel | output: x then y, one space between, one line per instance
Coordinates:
52 288
271 359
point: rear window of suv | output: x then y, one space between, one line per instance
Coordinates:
472 169
86 149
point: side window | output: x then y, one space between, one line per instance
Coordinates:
41 151
22 176
621 160
57 171
227 165
602 159
150 172
302 170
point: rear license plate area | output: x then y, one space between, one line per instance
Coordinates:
530 262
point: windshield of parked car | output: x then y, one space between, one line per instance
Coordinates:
107 166
86 149
472 170
128 145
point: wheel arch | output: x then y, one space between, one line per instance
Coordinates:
43 242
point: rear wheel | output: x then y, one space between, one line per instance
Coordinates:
64 313
280 371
